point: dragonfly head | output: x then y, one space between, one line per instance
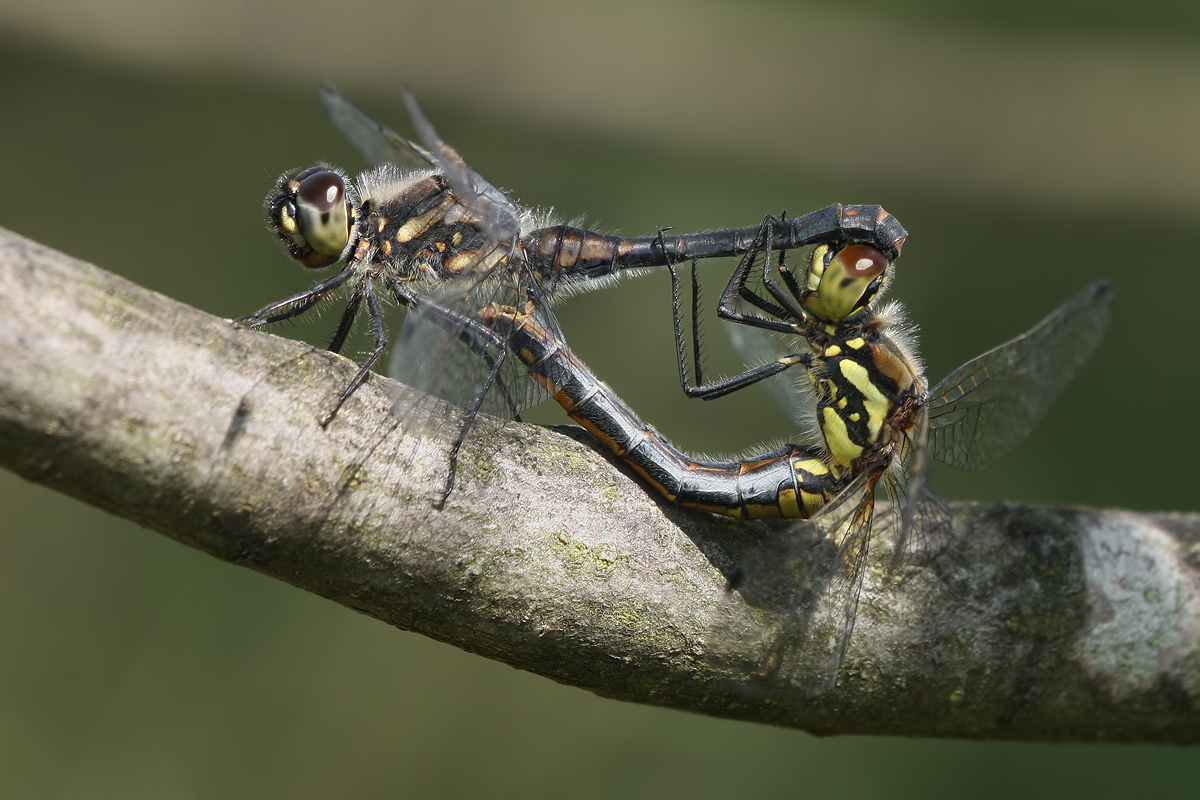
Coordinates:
313 212
843 282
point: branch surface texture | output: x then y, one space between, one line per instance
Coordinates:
1035 623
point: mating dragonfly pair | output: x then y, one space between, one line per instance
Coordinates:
477 273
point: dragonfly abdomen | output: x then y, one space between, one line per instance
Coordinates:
789 482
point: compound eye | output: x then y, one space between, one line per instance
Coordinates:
849 282
322 211
861 261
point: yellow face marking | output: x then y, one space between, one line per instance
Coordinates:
845 401
387 247
856 343
877 406
844 450
816 267
441 246
855 417
288 223
832 350
380 224
456 239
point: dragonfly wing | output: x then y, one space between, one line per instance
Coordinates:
792 389
447 351
915 521
376 142
989 404
498 214
811 578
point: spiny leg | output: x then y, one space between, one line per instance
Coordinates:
724 386
379 329
477 337
458 325
296 304
345 324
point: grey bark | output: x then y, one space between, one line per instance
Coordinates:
1035 623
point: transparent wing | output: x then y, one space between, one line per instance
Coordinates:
447 351
791 388
811 578
498 214
915 522
376 142
989 404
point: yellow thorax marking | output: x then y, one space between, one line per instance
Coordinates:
874 401
837 438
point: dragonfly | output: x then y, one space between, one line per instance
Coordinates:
875 440
424 230
873 416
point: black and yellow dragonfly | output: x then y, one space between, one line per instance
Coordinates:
876 419
866 401
426 231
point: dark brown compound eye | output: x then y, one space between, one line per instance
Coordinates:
322 210
862 261
322 190
850 280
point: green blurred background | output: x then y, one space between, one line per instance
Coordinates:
1028 147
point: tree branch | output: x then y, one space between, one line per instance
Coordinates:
1037 623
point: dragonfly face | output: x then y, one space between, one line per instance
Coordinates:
314 212
842 283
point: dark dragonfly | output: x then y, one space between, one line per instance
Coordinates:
864 398
425 230
877 438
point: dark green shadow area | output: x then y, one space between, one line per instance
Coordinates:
136 668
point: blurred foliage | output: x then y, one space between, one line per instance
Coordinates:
135 667
1154 20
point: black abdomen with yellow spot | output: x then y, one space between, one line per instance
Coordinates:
789 482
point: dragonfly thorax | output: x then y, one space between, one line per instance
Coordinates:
418 230
868 389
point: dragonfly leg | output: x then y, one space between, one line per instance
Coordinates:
345 324
379 329
296 304
723 386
